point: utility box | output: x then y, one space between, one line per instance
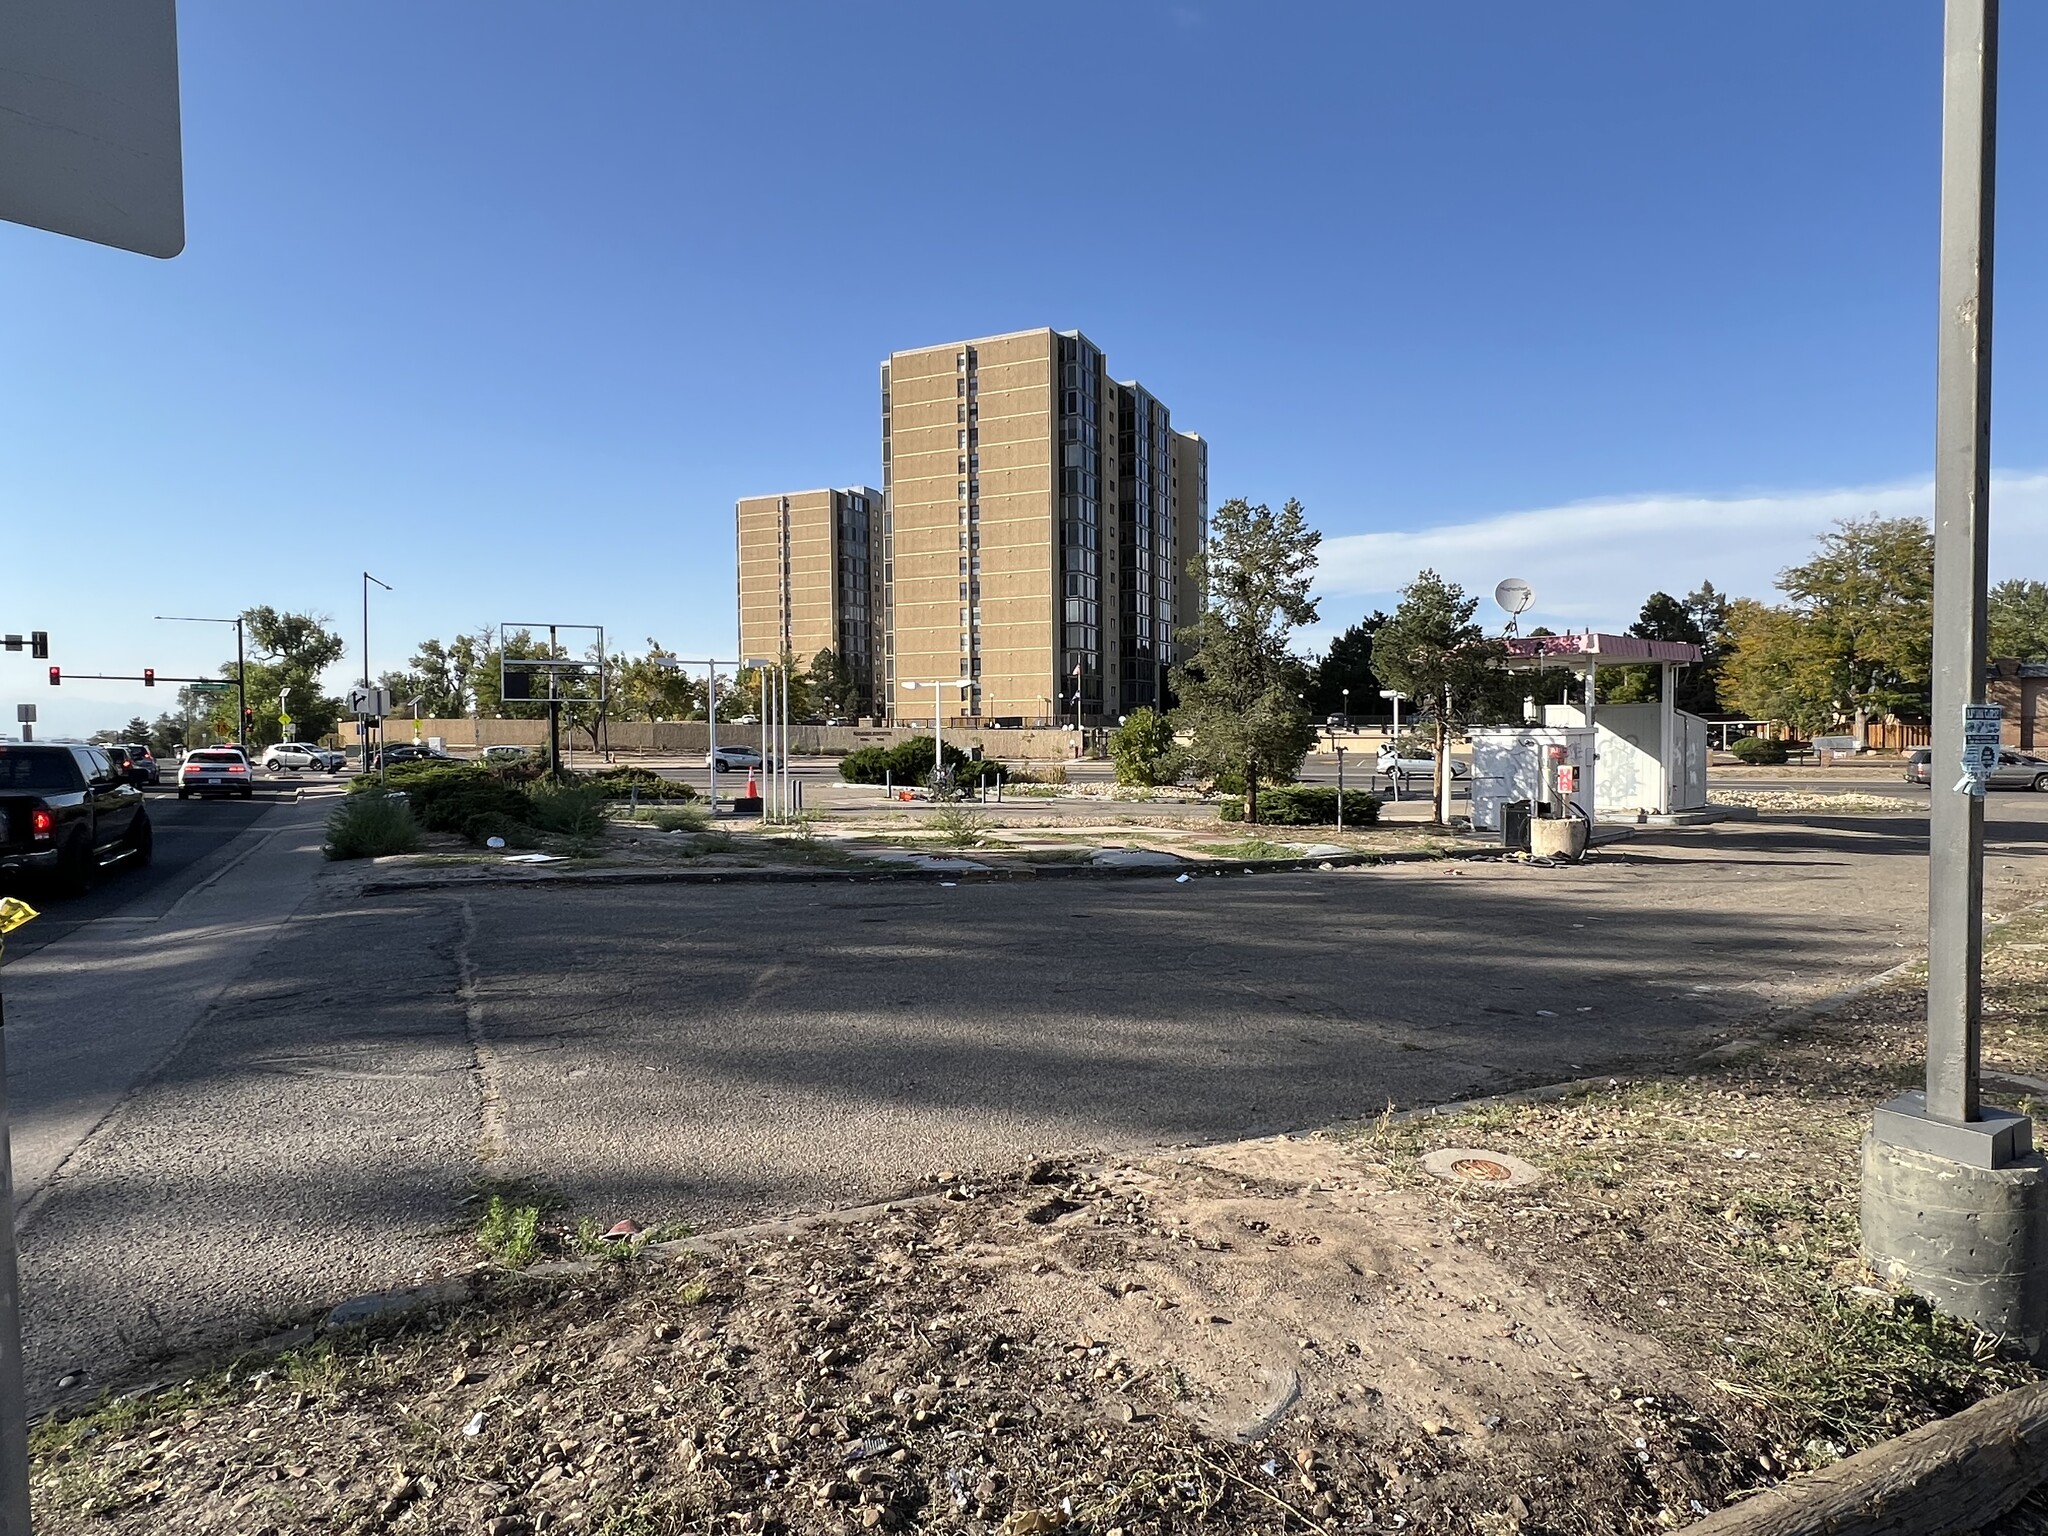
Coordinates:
1507 765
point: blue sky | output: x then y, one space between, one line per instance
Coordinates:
509 302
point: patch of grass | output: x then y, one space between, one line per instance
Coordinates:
681 818
510 1234
371 827
1719 1213
1251 848
960 829
801 828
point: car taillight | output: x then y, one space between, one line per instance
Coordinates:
236 768
42 822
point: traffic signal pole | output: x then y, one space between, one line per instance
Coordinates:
1955 1198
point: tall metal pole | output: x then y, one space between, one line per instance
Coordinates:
241 687
14 1510
364 720
1962 484
782 756
711 729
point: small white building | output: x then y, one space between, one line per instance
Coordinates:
1507 765
1650 758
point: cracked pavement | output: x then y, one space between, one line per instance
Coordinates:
718 1053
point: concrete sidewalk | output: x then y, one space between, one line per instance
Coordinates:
92 1016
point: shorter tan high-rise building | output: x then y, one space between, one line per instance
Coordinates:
807 581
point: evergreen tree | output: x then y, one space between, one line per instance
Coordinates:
1240 691
1432 651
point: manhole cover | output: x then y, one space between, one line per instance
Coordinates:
1479 1165
1482 1168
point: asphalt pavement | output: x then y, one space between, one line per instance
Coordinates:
275 1092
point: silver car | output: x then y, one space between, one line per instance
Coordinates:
2015 770
299 754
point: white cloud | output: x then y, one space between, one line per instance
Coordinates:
1592 563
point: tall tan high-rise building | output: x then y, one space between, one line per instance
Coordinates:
1026 560
1038 521
810 578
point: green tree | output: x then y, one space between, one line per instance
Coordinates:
167 736
1240 689
288 653
1433 651
1348 664
2018 621
137 729
655 687
1868 598
1698 619
1143 749
836 690
1777 667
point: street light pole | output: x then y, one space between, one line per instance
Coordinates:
362 720
1954 1195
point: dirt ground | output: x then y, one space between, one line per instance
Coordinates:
1622 1309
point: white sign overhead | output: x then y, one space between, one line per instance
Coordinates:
89 137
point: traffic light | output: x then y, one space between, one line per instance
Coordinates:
248 723
56 677
39 644
149 677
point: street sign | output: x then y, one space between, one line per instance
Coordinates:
285 721
89 137
1981 730
24 714
369 701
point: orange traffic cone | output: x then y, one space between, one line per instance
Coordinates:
753 789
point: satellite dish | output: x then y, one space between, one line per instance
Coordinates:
1514 596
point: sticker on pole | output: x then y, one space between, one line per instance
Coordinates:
1981 728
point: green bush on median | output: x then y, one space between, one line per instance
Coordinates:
1306 805
371 826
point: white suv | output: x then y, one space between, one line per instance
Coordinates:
298 754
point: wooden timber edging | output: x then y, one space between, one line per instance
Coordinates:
1955 1475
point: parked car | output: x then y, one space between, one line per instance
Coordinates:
1422 766
301 754
506 754
2015 770
65 812
144 761
407 752
216 771
736 759
2020 770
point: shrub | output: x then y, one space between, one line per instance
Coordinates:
624 783
1759 752
1144 751
574 810
864 765
472 802
959 829
910 762
370 826
1307 805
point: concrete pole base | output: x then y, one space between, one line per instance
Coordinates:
1972 1240
1558 837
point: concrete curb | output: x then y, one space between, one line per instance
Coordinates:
1212 870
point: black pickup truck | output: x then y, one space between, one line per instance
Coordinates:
65 811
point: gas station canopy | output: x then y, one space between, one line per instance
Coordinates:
1591 648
